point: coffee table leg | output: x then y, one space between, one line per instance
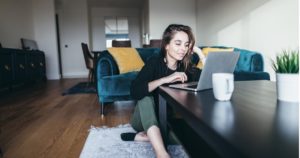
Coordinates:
163 119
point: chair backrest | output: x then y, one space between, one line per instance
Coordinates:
155 43
116 43
88 58
28 44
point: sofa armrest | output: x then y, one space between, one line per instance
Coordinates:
249 61
106 65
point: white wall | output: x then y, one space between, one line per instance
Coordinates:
45 34
73 21
163 13
16 22
145 22
266 26
31 19
98 28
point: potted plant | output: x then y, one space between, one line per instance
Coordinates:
286 67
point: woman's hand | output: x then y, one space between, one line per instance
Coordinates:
176 76
198 51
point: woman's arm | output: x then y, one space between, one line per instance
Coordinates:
145 81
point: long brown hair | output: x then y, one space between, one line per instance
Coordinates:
168 35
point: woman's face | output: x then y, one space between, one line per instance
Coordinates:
178 46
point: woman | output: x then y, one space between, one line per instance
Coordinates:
173 65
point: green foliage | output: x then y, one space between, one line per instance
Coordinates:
287 62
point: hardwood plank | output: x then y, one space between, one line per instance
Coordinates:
40 122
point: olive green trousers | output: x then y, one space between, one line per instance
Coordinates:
144 115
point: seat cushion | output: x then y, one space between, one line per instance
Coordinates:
117 85
246 76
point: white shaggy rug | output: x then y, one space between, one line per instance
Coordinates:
105 142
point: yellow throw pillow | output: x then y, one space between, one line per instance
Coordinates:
128 59
207 50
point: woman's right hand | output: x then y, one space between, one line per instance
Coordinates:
176 76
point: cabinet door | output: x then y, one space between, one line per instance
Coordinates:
5 68
40 59
19 66
31 65
35 60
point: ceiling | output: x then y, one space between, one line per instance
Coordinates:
122 3
117 3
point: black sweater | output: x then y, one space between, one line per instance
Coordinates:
155 68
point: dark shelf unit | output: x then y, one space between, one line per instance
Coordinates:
19 68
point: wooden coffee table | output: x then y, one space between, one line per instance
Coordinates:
253 124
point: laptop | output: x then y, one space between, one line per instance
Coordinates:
224 62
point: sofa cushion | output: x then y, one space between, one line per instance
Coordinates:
146 53
128 59
207 50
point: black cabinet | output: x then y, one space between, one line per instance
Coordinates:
20 67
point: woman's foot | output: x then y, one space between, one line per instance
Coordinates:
141 136
129 136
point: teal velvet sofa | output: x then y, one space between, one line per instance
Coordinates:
113 86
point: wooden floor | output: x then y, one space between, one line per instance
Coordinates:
39 122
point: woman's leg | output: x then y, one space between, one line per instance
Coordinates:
155 138
137 126
144 118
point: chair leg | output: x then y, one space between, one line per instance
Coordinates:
88 82
90 77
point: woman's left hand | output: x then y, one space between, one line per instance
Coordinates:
199 52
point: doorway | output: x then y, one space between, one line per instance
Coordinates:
58 46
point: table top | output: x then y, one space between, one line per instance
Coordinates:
252 124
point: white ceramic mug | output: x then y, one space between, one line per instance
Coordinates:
223 85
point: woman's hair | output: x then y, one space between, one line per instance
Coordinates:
168 35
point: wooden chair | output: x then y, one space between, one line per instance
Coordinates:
116 43
89 62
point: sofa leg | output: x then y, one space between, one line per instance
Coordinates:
102 109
